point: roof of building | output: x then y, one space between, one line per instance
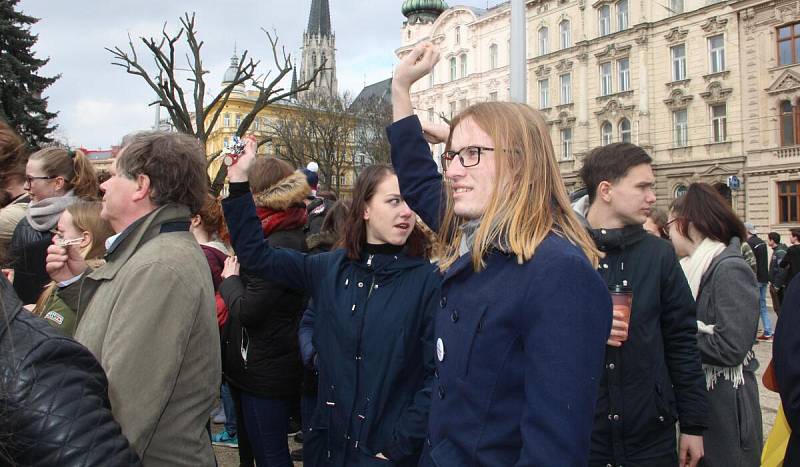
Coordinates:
382 91
419 6
230 73
319 19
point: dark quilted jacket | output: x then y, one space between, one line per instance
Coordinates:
53 397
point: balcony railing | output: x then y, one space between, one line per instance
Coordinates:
787 152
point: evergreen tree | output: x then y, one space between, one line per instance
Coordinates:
21 101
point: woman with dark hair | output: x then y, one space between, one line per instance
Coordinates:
261 353
54 178
707 234
54 402
374 301
655 223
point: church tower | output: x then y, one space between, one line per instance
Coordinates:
319 44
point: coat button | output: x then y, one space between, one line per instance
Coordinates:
428 440
441 392
443 302
605 266
616 418
454 316
660 418
611 366
360 285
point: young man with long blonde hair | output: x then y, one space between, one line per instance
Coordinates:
518 352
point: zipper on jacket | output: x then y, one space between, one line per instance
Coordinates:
369 260
359 359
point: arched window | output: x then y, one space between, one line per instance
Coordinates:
790 123
314 59
625 130
463 65
543 43
606 133
564 34
493 56
458 34
679 191
452 68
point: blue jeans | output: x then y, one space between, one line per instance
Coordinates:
762 303
267 421
229 408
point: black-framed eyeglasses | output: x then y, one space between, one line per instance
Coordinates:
469 156
667 226
29 179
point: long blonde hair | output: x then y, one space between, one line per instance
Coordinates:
529 199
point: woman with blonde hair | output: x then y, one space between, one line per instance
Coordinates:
54 178
524 317
80 226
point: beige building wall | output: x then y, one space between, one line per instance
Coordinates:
648 104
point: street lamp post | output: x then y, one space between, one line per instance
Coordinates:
519 62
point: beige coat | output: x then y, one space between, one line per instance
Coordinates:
151 321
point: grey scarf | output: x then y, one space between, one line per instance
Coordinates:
43 215
468 230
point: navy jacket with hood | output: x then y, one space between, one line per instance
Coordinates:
655 377
519 346
373 333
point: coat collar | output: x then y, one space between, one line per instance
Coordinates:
163 219
617 239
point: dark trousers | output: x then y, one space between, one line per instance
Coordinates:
777 298
267 421
246 458
307 406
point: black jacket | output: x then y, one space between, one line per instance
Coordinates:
28 251
759 248
787 367
777 274
263 318
656 376
54 407
792 261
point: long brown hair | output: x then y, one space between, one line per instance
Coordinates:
74 166
85 218
533 201
355 229
709 212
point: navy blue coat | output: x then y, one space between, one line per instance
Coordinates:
787 368
519 346
373 332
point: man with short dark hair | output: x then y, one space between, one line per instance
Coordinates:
653 373
792 258
148 314
777 274
761 254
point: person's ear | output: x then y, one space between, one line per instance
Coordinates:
86 239
143 188
58 183
604 191
366 213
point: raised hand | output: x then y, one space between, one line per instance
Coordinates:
416 64
238 171
435 133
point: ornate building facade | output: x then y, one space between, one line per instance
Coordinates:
319 46
709 88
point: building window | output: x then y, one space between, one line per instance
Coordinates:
493 56
566 88
452 109
716 53
342 179
544 93
788 201
430 114
719 123
452 68
675 7
625 130
257 124
226 120
238 120
605 79
430 77
462 104
543 44
789 44
463 65
606 133
678 53
226 142
680 119
566 143
564 33
679 191
604 20
790 123
314 60
493 96
624 71
458 34
622 15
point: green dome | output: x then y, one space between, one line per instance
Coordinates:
423 8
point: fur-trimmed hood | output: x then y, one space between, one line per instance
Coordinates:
286 193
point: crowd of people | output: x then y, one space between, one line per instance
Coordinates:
467 313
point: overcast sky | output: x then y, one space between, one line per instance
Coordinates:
99 103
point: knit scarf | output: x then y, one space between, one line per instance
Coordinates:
273 220
468 231
694 266
43 215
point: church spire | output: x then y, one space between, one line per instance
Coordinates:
294 77
319 19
